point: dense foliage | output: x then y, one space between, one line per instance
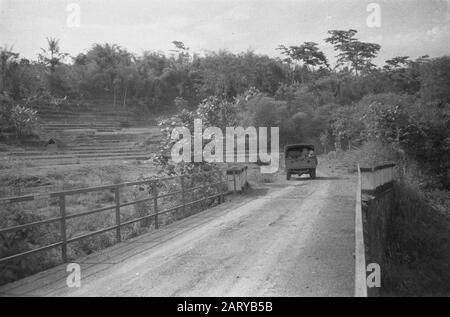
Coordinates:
404 103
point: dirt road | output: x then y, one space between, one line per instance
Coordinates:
287 239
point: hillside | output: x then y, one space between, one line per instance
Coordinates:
92 135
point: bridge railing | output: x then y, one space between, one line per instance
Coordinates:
360 252
116 207
376 177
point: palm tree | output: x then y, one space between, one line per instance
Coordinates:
52 57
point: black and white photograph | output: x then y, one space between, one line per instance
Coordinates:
224 155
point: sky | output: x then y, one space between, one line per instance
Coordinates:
406 27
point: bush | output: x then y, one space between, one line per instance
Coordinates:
418 247
435 80
6 104
24 240
23 119
369 154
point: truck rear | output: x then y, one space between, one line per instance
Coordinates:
300 159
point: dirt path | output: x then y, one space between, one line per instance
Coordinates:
289 239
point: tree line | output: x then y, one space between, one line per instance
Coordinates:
339 106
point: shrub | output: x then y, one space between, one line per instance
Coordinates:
369 154
23 119
435 79
6 104
418 247
24 240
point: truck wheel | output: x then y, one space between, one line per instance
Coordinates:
312 173
288 176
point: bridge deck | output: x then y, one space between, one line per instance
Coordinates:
285 239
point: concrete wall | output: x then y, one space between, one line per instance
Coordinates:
377 209
374 207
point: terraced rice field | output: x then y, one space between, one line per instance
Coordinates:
85 137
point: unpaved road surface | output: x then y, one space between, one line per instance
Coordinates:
283 239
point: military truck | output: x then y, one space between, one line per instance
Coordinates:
300 159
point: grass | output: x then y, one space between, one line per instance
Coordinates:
369 154
17 180
418 247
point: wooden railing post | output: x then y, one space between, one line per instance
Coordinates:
62 212
221 200
155 204
246 177
117 201
234 181
205 187
183 198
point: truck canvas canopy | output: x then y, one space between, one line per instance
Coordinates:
300 159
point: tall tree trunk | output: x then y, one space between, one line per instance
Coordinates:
114 96
125 97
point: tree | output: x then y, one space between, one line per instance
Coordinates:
435 80
213 111
308 53
128 78
52 57
8 59
425 138
384 117
229 75
180 47
357 54
396 63
346 127
108 65
400 75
